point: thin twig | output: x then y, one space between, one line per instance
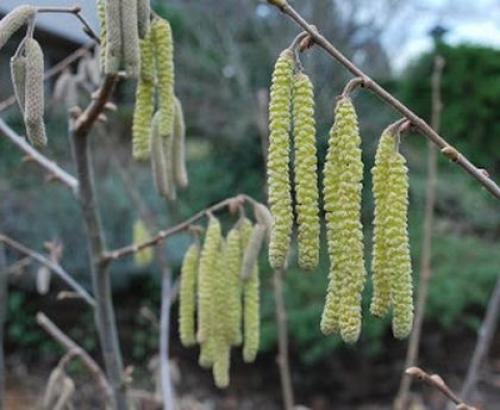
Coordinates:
479 174
425 261
54 170
162 235
281 323
53 71
438 383
54 267
483 344
3 315
75 349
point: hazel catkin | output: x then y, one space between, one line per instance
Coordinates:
18 76
392 260
187 296
306 181
164 51
252 250
251 316
101 14
113 33
206 277
141 234
233 265
130 38
13 21
143 17
34 99
343 174
179 147
278 178
144 103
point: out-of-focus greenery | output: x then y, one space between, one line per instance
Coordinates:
221 70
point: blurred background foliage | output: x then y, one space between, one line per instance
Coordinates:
225 52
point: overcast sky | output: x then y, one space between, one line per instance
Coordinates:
468 21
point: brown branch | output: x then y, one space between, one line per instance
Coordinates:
425 261
373 86
436 382
54 267
53 71
483 344
73 348
163 234
34 155
281 323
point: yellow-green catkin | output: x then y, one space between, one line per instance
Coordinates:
18 76
391 207
381 274
130 38
161 162
141 234
206 277
187 296
101 14
113 41
251 316
306 180
233 264
14 21
34 98
252 250
144 103
278 178
164 51
180 169
222 320
343 174
143 17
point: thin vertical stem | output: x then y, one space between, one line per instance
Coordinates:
425 262
485 337
101 281
3 315
281 323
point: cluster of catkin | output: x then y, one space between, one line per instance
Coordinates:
146 52
219 291
27 71
292 97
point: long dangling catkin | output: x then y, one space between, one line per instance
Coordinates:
252 250
18 76
143 17
113 41
180 169
14 21
222 319
206 275
278 177
141 234
187 296
263 216
234 286
306 180
162 172
34 98
251 316
101 14
164 51
381 274
343 174
130 38
144 103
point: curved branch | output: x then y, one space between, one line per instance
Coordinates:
424 128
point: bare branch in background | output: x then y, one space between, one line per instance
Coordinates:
76 350
418 123
425 261
57 269
55 172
